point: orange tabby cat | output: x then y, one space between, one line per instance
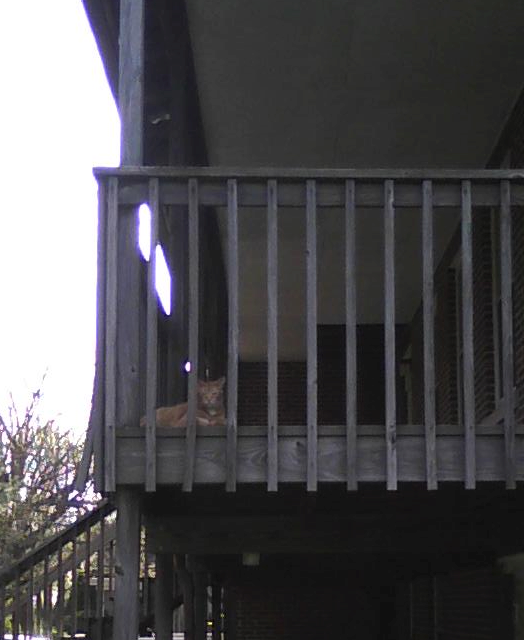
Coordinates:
210 407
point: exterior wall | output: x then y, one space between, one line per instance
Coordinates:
298 606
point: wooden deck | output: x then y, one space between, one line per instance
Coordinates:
371 455
273 454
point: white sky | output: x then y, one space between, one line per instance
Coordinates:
57 121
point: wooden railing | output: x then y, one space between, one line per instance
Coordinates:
191 190
59 588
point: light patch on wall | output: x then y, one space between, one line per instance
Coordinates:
162 274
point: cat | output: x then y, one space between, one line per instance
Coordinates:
210 407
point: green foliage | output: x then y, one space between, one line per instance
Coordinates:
37 468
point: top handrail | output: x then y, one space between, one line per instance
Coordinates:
287 173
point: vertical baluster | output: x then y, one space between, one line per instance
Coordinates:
272 335
311 301
97 414
351 339
61 589
467 337
193 242
74 589
429 334
47 601
100 582
29 623
232 382
152 338
87 569
111 566
389 333
2 612
111 334
506 273
16 606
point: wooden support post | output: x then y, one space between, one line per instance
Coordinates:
232 365
216 605
125 622
163 596
47 599
131 81
186 582
87 576
200 604
74 589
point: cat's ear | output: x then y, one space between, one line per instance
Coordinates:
222 381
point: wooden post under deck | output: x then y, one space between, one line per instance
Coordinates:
127 565
130 104
164 596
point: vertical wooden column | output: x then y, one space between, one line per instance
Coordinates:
429 334
506 294
467 337
389 334
351 339
74 589
164 596
130 103
127 565
311 331
87 575
200 604
152 340
232 368
47 599
2 612
272 337
193 314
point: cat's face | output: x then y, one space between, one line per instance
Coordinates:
211 395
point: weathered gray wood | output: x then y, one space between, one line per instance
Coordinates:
232 381
164 596
389 333
213 192
74 587
131 81
95 437
125 622
61 593
29 619
111 335
506 278
429 333
100 582
47 599
15 620
301 174
351 338
292 455
87 576
2 612
311 315
272 336
152 340
193 313
467 337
